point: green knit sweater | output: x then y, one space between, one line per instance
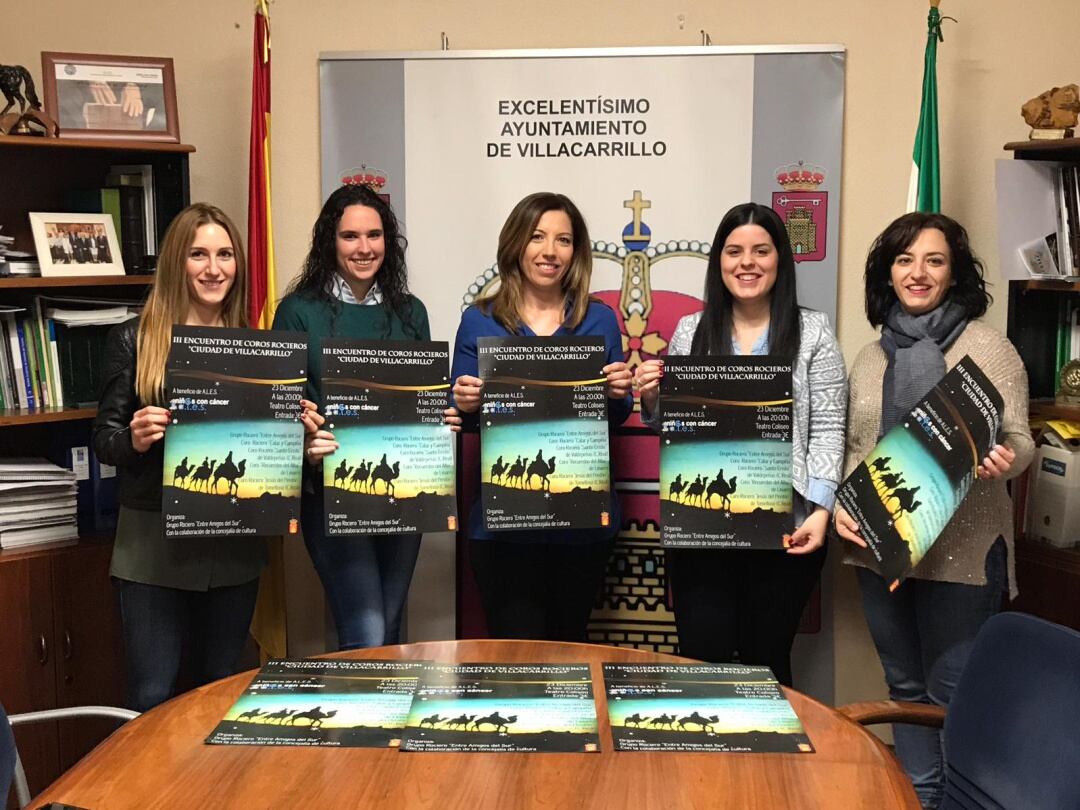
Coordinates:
317 319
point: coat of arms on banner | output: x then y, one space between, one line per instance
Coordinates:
803 208
364 175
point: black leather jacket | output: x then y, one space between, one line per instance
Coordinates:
139 473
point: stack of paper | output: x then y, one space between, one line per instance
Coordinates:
37 502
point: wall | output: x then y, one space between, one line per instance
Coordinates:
990 62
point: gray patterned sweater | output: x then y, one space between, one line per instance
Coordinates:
820 392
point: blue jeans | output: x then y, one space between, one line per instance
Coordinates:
156 621
366 578
923 633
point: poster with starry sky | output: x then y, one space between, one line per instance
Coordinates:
904 493
393 472
234 444
544 457
725 453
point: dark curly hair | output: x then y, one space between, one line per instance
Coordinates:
968 285
321 264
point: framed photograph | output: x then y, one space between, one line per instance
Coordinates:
76 244
100 96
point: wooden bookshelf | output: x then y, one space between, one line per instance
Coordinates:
1045 285
1047 150
38 282
1042 409
37 416
114 144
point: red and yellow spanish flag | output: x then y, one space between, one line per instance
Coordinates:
268 623
261 292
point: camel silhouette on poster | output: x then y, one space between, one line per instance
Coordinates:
385 473
279 716
662 721
341 473
517 470
887 483
501 723
676 488
359 480
182 471
201 478
497 469
461 721
316 716
540 468
635 720
433 720
725 489
250 716
695 492
231 473
695 719
905 501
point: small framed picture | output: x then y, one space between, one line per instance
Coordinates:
101 96
76 244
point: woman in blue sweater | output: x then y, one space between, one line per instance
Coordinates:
353 285
540 584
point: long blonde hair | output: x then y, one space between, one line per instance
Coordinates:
506 302
169 299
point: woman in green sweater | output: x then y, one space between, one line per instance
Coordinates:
353 285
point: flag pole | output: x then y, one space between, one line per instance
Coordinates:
924 187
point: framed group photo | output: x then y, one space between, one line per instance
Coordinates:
102 96
76 244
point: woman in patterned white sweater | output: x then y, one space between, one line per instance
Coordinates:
925 289
745 601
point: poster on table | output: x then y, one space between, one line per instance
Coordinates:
503 708
234 447
393 472
344 704
544 460
701 707
725 453
904 493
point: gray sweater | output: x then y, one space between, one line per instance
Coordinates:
820 393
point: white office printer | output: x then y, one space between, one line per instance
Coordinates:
1053 512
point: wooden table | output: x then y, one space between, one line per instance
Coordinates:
159 760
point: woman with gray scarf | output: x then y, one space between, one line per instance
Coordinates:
925 289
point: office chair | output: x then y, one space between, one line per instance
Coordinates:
11 766
1012 728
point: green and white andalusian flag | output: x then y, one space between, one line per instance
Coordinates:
924 189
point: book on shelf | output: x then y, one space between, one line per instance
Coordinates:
51 355
1038 207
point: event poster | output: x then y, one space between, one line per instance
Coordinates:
701 707
346 704
234 447
503 708
393 472
725 453
904 493
544 460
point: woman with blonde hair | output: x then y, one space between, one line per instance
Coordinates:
199 589
540 584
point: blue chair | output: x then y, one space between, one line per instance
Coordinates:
11 768
1012 729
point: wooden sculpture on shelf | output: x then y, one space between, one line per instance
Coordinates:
18 88
1053 114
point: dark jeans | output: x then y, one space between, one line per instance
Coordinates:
366 578
157 621
7 757
923 633
741 601
538 590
